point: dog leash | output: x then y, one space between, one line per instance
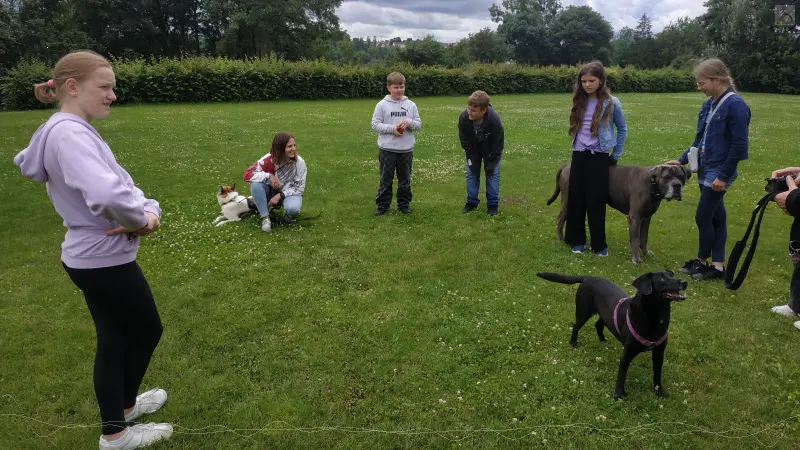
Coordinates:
647 343
738 249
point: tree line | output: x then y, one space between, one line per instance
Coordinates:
763 56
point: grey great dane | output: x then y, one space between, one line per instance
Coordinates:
634 191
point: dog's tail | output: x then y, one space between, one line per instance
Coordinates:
560 278
558 186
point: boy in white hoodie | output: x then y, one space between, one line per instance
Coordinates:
395 118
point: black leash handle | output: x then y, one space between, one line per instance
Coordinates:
738 249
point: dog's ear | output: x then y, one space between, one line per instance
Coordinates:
644 284
233 188
671 273
687 172
220 189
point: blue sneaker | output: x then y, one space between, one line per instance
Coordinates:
603 252
578 249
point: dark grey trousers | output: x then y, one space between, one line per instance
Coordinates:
391 163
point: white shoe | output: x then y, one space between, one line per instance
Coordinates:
147 403
784 310
797 324
138 436
266 225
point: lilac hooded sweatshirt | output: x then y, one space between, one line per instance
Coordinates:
90 191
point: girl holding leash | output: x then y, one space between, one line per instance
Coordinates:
720 143
595 114
278 179
105 215
789 202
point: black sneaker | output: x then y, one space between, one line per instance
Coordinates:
693 266
469 207
492 211
708 273
405 209
381 211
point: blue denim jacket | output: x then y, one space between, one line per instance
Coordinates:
606 133
726 139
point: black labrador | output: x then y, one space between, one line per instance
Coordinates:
640 322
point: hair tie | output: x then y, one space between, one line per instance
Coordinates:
51 83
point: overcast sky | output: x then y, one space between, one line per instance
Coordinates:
451 20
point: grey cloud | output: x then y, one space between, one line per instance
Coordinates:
450 20
461 8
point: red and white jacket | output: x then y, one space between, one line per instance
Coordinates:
292 174
261 170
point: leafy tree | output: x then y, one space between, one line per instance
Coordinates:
458 55
486 46
424 52
622 46
761 56
581 34
10 34
48 30
680 43
643 52
525 26
286 29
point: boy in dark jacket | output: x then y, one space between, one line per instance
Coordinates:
481 133
789 201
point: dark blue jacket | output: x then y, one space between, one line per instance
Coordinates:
726 141
489 146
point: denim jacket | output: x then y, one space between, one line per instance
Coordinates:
726 139
606 133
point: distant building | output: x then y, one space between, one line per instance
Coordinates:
386 43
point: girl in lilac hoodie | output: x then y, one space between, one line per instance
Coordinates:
105 215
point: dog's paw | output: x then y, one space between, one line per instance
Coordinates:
659 391
636 260
222 223
648 252
573 344
620 395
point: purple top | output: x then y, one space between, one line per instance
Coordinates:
90 191
584 140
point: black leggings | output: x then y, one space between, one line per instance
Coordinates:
794 289
128 330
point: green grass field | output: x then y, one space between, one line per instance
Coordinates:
422 331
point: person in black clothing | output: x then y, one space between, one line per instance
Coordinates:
481 133
789 201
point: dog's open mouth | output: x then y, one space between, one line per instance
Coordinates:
675 295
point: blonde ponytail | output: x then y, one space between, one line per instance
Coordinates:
77 65
44 93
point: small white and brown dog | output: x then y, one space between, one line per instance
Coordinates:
234 206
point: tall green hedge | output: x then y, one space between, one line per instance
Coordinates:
223 80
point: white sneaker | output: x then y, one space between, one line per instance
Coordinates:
784 310
266 225
138 436
147 403
797 324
